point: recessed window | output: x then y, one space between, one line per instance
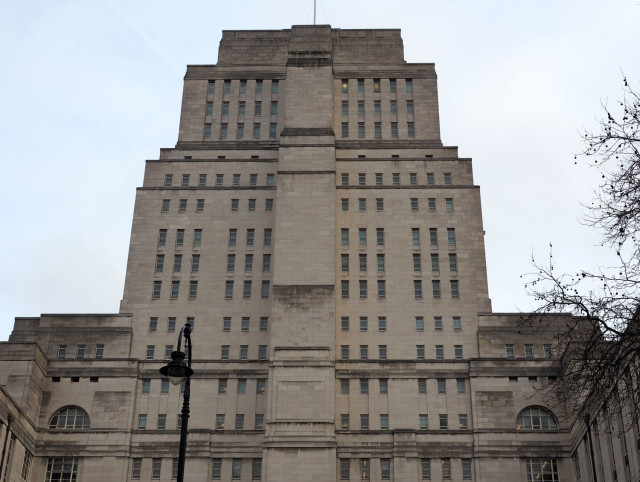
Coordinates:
376 85
99 352
437 323
382 352
344 323
417 289
451 236
442 385
70 418
211 87
228 290
379 204
361 107
259 86
364 352
272 130
457 323
207 131
424 421
435 288
394 130
377 107
444 421
447 178
166 204
362 204
455 289
225 108
377 129
246 291
419 323
380 261
449 204
461 386
542 469
433 236
528 351
457 349
420 352
392 86
360 86
422 385
267 237
162 237
509 351
416 262
435 262
536 418
274 86
363 289
360 130
394 108
409 85
364 425
224 129
439 352
345 130
414 204
432 204
382 323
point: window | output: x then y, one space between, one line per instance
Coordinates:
379 204
461 385
180 237
442 385
446 468
344 323
224 352
417 289
168 180
211 87
271 179
135 474
227 86
447 178
177 263
420 352
202 180
183 206
364 386
256 126
195 263
207 130
250 236
415 236
376 107
394 108
200 205
451 236
435 285
382 352
225 108
424 421
360 86
536 418
439 352
236 469
224 128
261 384
256 469
344 421
99 352
364 421
246 292
231 263
395 178
344 263
344 126
433 236
384 385
219 179
419 323
437 323
146 383
264 291
162 237
466 468
363 289
150 352
377 129
376 85
228 289
382 323
432 204
462 419
380 236
162 421
266 263
274 86
449 204
259 86
175 289
385 464
80 351
344 386
70 418
509 351
425 469
417 263
547 351
217 469
193 289
364 323
65 469
344 179
422 385
409 85
248 262
542 470
344 463
361 107
364 352
380 258
262 352
222 385
362 236
362 204
344 289
394 130
360 130
168 349
528 351
239 422
142 421
267 237
455 289
414 203
240 129
244 352
174 468
166 203
272 130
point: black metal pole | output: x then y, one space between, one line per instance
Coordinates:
183 429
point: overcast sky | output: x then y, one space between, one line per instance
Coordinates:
92 88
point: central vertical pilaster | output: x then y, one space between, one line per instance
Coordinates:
300 432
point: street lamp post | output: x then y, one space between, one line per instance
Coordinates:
177 371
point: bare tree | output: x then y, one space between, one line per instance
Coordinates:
599 352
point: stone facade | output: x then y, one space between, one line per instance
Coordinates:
328 251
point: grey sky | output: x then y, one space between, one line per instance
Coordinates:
92 88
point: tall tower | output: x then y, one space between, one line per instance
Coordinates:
311 225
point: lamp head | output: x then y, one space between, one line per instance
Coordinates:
176 370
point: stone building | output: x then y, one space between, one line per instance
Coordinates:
328 251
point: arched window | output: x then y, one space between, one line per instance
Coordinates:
536 418
70 418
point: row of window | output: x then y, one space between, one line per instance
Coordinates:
363 289
161 422
197 237
240 130
81 352
374 85
423 422
439 352
529 351
175 290
242 109
248 263
265 287
395 179
177 263
242 86
182 205
226 323
380 262
377 107
415 236
377 130
384 471
233 237
250 237
202 179
379 203
382 323
383 384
